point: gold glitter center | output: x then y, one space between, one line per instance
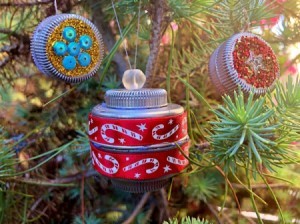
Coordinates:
81 29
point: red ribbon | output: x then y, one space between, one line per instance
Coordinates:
137 132
145 165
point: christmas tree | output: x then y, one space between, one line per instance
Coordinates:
244 151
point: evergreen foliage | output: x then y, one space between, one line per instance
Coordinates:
253 136
244 152
287 103
203 186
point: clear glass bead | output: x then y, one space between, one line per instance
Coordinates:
133 79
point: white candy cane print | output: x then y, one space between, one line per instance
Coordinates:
177 161
120 129
162 137
142 162
93 130
111 170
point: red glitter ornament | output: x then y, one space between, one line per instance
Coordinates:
244 60
255 61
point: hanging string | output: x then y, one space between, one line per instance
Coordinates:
137 34
55 7
246 21
121 34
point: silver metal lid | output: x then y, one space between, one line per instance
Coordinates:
40 53
140 186
136 99
103 111
223 73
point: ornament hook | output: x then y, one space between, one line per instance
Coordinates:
55 7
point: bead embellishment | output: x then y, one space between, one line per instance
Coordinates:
85 42
82 44
255 62
71 50
133 79
68 47
69 33
69 62
84 59
59 48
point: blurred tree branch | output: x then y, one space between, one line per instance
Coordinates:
19 46
263 186
158 13
55 182
10 32
25 3
138 208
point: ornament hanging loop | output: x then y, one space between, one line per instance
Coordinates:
121 33
55 7
137 34
246 24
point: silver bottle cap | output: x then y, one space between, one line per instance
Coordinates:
136 99
50 31
223 74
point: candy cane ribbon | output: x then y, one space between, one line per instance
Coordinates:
142 162
137 132
105 169
119 129
146 165
165 136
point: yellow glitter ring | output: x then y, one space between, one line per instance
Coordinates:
67 46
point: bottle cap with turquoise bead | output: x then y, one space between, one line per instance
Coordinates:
68 47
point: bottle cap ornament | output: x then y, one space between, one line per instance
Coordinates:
244 60
135 134
68 47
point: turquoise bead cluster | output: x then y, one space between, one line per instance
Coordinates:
72 51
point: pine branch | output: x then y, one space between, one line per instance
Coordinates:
203 145
21 40
164 203
138 208
213 212
251 136
10 32
159 8
19 46
27 3
55 182
237 15
264 186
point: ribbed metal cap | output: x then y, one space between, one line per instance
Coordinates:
224 75
140 186
42 38
140 98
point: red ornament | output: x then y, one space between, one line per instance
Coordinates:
243 60
138 166
149 131
134 139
